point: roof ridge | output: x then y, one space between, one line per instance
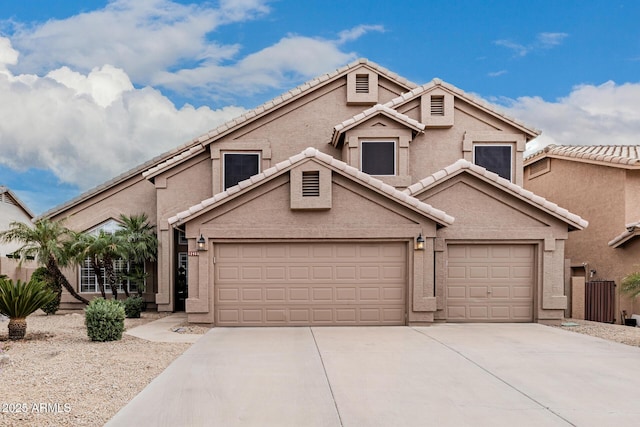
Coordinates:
616 154
480 102
497 180
371 112
308 153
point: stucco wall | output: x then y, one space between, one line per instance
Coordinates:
603 196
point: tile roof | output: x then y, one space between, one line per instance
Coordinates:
183 151
613 155
16 200
632 231
478 102
371 112
504 184
337 165
281 100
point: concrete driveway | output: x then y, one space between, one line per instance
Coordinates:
443 375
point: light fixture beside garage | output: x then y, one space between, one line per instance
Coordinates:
201 243
420 243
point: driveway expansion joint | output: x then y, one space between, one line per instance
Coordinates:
324 369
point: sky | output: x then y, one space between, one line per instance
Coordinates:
90 89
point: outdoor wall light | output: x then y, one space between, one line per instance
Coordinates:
420 242
201 243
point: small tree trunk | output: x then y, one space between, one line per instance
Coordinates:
111 276
17 328
60 278
97 270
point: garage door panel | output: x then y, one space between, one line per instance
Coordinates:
345 284
504 293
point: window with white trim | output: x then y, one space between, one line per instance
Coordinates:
238 167
495 158
88 279
378 157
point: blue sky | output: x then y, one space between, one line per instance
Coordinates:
90 89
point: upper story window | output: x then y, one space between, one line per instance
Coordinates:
239 166
378 157
495 158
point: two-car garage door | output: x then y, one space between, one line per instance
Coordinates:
490 283
318 283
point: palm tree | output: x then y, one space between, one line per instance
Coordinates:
86 245
19 300
631 284
48 241
139 244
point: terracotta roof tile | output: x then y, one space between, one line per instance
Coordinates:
310 152
614 155
506 185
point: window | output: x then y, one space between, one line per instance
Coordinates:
495 158
378 157
240 166
89 281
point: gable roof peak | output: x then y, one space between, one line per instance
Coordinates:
375 184
504 184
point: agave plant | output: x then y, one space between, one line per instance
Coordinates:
20 299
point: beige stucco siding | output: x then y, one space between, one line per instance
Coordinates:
607 197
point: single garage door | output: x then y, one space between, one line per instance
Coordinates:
490 283
271 284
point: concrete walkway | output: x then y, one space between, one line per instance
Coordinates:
444 375
161 330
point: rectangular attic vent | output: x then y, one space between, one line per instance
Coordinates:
437 105
362 83
311 184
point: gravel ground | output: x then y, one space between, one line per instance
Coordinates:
619 333
58 377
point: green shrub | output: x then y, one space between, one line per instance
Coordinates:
133 306
104 320
42 275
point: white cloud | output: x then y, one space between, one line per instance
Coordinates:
293 58
88 128
608 114
139 36
497 73
542 41
357 32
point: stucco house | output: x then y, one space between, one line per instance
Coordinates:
601 183
357 198
13 209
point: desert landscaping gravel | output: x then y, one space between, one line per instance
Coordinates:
58 377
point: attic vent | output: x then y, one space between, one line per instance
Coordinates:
8 199
540 167
311 184
362 83
437 105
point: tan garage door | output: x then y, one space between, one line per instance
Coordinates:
272 284
490 283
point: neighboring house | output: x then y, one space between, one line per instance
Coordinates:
602 184
12 209
358 198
